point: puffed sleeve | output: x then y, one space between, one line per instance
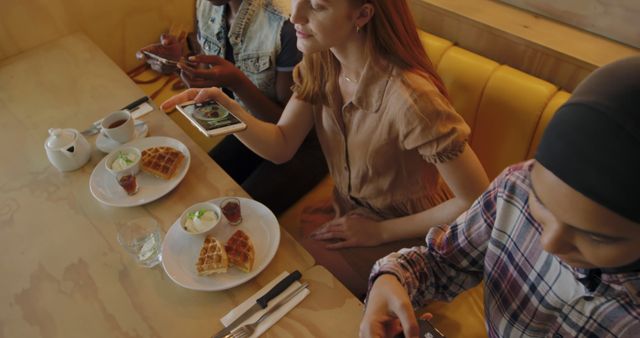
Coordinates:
431 125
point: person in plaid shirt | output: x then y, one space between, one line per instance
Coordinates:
556 240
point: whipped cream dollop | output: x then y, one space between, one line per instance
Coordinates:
200 220
123 161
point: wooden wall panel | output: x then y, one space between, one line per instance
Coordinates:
558 53
118 27
615 19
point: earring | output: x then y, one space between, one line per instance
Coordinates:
357 29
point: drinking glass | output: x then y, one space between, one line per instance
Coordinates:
142 238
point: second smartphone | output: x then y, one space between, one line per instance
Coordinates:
211 118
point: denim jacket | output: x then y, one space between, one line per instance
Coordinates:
254 36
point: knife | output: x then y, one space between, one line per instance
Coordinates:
261 303
136 103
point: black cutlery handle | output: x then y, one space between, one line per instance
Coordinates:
136 103
276 290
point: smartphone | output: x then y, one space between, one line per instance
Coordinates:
160 58
211 118
426 330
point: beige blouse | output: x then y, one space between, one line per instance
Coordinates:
381 146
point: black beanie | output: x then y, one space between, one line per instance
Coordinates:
592 143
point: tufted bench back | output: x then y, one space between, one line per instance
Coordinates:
506 108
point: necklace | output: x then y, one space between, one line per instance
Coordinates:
349 79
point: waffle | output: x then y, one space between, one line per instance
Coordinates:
240 251
162 162
213 258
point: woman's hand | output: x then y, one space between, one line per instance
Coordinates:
170 48
352 230
210 70
198 95
389 311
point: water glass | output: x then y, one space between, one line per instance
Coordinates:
142 239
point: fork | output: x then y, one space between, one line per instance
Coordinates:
248 329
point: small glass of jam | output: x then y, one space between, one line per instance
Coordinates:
231 210
128 182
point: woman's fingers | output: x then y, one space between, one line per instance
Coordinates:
347 243
186 69
208 59
330 226
187 95
330 234
195 94
208 94
426 316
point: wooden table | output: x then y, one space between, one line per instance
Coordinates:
63 273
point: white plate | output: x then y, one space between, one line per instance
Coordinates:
107 145
105 189
180 251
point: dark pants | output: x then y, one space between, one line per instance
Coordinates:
277 186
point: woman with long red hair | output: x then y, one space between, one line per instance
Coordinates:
396 149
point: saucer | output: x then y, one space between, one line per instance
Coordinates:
107 145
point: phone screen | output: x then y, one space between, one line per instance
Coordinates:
210 115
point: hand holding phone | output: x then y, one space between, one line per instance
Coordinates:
211 118
210 71
160 58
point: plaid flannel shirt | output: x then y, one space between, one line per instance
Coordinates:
528 292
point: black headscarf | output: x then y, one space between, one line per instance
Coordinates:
593 141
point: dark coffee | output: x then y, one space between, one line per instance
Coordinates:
117 123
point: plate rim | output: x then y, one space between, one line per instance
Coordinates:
179 179
251 275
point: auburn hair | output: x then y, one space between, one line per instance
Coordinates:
391 34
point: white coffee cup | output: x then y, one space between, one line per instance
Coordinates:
119 126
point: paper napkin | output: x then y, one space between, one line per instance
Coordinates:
274 317
141 110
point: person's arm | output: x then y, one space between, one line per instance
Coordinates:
466 178
274 142
451 262
388 310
